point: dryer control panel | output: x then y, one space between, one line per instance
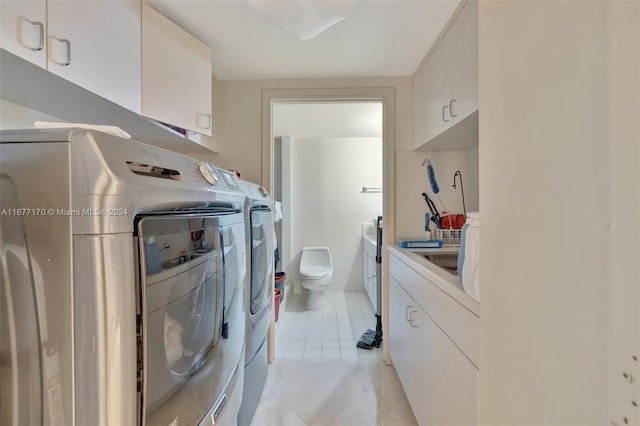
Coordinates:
209 173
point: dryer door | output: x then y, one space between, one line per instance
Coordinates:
21 388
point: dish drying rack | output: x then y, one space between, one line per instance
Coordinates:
449 236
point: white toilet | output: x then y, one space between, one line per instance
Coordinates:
316 269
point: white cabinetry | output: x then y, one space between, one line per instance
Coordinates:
369 270
432 89
78 41
96 45
176 74
433 344
23 29
445 88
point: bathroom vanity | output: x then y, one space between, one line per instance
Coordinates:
369 267
433 336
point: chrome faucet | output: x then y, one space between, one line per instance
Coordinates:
456 174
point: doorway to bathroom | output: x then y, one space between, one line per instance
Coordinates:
328 178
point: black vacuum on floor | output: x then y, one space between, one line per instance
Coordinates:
371 338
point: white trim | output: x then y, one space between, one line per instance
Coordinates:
387 96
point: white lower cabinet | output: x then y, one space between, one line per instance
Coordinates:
369 271
439 380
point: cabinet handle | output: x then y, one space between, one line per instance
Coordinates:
41 29
68 43
406 313
208 126
451 102
412 319
443 108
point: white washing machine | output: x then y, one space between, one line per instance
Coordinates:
260 234
122 271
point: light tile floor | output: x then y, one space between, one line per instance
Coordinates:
324 380
328 334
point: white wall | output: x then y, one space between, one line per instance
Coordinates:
624 162
328 207
543 198
240 131
13 116
625 173
412 181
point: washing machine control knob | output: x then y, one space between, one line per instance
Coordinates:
209 173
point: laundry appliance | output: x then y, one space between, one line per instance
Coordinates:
260 234
122 272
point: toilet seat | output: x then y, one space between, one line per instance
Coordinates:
314 272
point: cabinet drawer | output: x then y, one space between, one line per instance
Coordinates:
460 324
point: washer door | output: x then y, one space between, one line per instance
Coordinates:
262 264
183 293
191 337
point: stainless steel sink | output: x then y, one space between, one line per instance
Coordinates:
446 261
172 263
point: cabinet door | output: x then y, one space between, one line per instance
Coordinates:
373 281
404 351
23 29
176 74
445 89
432 91
96 45
464 34
365 267
439 381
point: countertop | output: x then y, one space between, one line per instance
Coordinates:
370 238
445 281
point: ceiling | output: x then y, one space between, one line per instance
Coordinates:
328 120
376 38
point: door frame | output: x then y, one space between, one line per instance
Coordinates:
386 95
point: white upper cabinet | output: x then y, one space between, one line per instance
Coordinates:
465 64
96 45
176 74
23 29
78 41
445 88
432 89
